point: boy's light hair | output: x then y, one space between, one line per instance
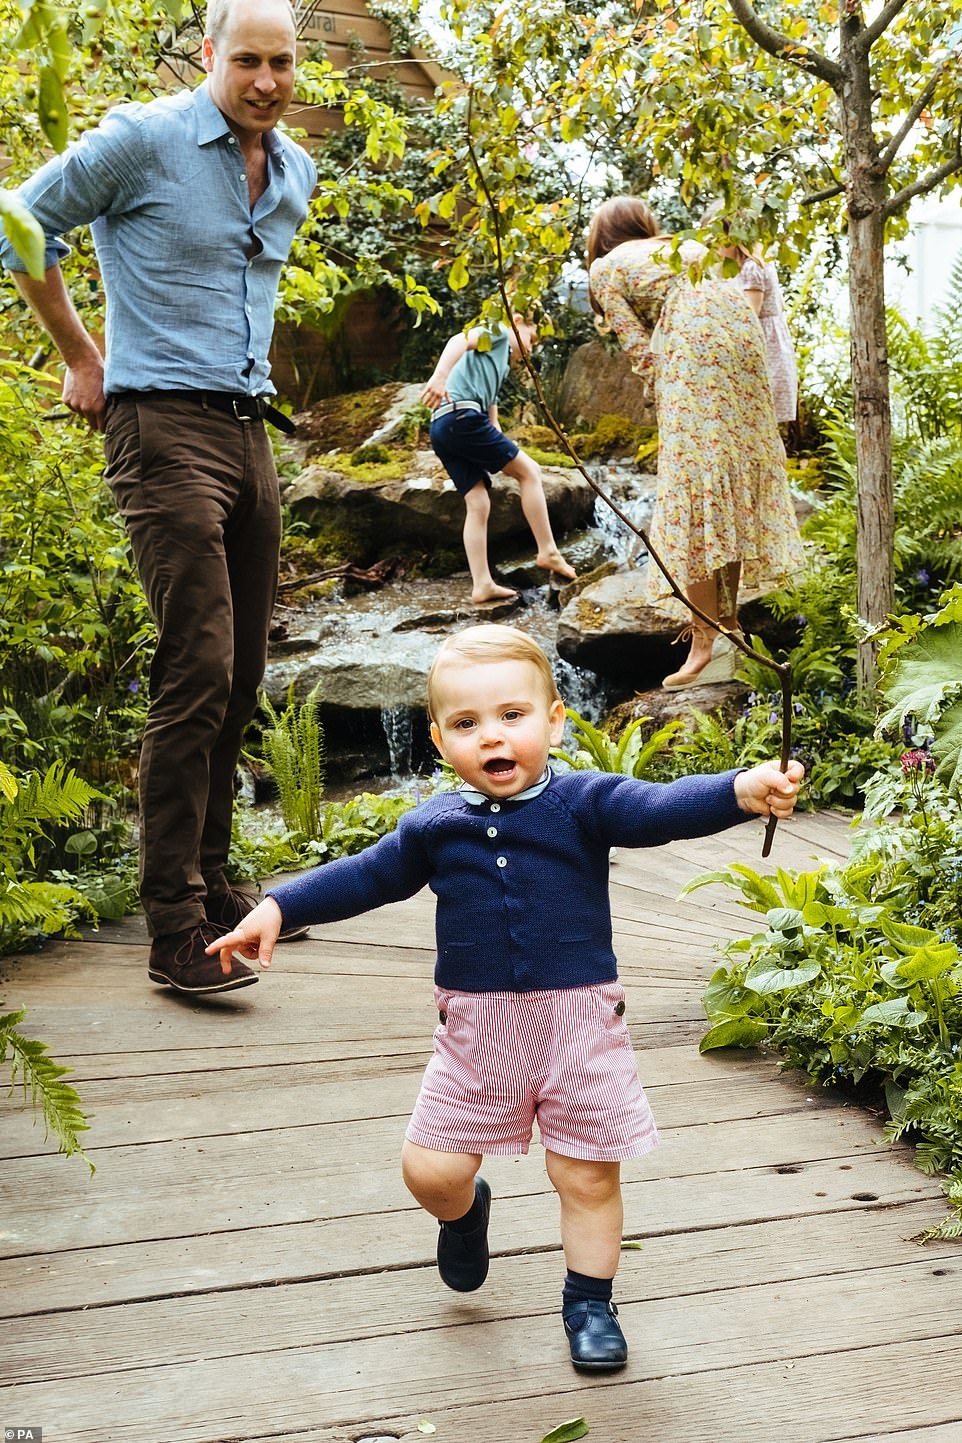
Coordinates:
490 643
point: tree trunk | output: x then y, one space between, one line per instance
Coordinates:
866 193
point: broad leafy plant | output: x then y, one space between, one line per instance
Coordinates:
630 753
857 974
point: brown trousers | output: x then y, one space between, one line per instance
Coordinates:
198 493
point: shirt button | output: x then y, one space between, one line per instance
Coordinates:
492 831
502 861
495 806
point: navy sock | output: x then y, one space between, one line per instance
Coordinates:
579 1287
472 1219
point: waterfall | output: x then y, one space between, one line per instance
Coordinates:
582 691
399 734
634 493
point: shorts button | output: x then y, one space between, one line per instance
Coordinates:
442 1017
619 1009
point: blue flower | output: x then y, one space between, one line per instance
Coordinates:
135 686
922 576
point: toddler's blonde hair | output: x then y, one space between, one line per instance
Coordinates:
488 643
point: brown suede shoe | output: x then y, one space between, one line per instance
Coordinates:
226 909
178 960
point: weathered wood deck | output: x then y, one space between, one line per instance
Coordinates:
246 1263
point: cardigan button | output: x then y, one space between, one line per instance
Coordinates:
502 861
492 831
495 806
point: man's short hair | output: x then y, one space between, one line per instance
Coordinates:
218 14
488 643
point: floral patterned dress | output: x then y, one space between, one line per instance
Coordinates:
723 492
779 351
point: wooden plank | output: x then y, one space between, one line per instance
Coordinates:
478 1354
159 1108
656 1211
858 1396
86 1340
203 1184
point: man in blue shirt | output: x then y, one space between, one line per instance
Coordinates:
193 202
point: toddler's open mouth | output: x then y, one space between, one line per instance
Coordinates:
498 766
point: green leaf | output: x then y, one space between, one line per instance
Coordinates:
764 977
737 1032
24 234
906 938
820 914
893 1013
567 1432
929 962
786 920
53 107
458 275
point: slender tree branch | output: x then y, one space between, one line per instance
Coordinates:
880 24
828 193
782 669
782 47
922 186
921 101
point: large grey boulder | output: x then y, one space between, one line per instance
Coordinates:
424 509
600 382
607 627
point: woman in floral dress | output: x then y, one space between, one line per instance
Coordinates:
723 514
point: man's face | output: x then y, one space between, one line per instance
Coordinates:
251 66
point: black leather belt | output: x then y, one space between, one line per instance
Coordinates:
237 404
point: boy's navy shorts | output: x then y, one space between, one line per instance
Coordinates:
470 449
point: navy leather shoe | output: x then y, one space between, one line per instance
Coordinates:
463 1257
594 1336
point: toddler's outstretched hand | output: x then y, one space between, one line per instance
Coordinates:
768 791
254 937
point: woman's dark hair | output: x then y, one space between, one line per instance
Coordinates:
624 218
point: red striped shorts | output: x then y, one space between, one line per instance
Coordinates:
503 1059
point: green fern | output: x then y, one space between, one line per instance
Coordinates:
43 1086
293 748
27 807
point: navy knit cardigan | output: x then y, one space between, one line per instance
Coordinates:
521 886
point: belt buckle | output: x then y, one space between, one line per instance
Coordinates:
252 408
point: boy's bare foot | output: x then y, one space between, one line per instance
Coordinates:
554 562
494 592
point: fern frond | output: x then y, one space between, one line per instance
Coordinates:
42 1080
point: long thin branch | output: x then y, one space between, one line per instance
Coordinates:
922 186
783 47
782 669
921 101
880 24
828 193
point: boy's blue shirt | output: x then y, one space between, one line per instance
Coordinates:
521 884
479 375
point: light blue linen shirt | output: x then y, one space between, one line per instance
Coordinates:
164 189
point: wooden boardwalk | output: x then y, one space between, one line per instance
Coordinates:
246 1263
